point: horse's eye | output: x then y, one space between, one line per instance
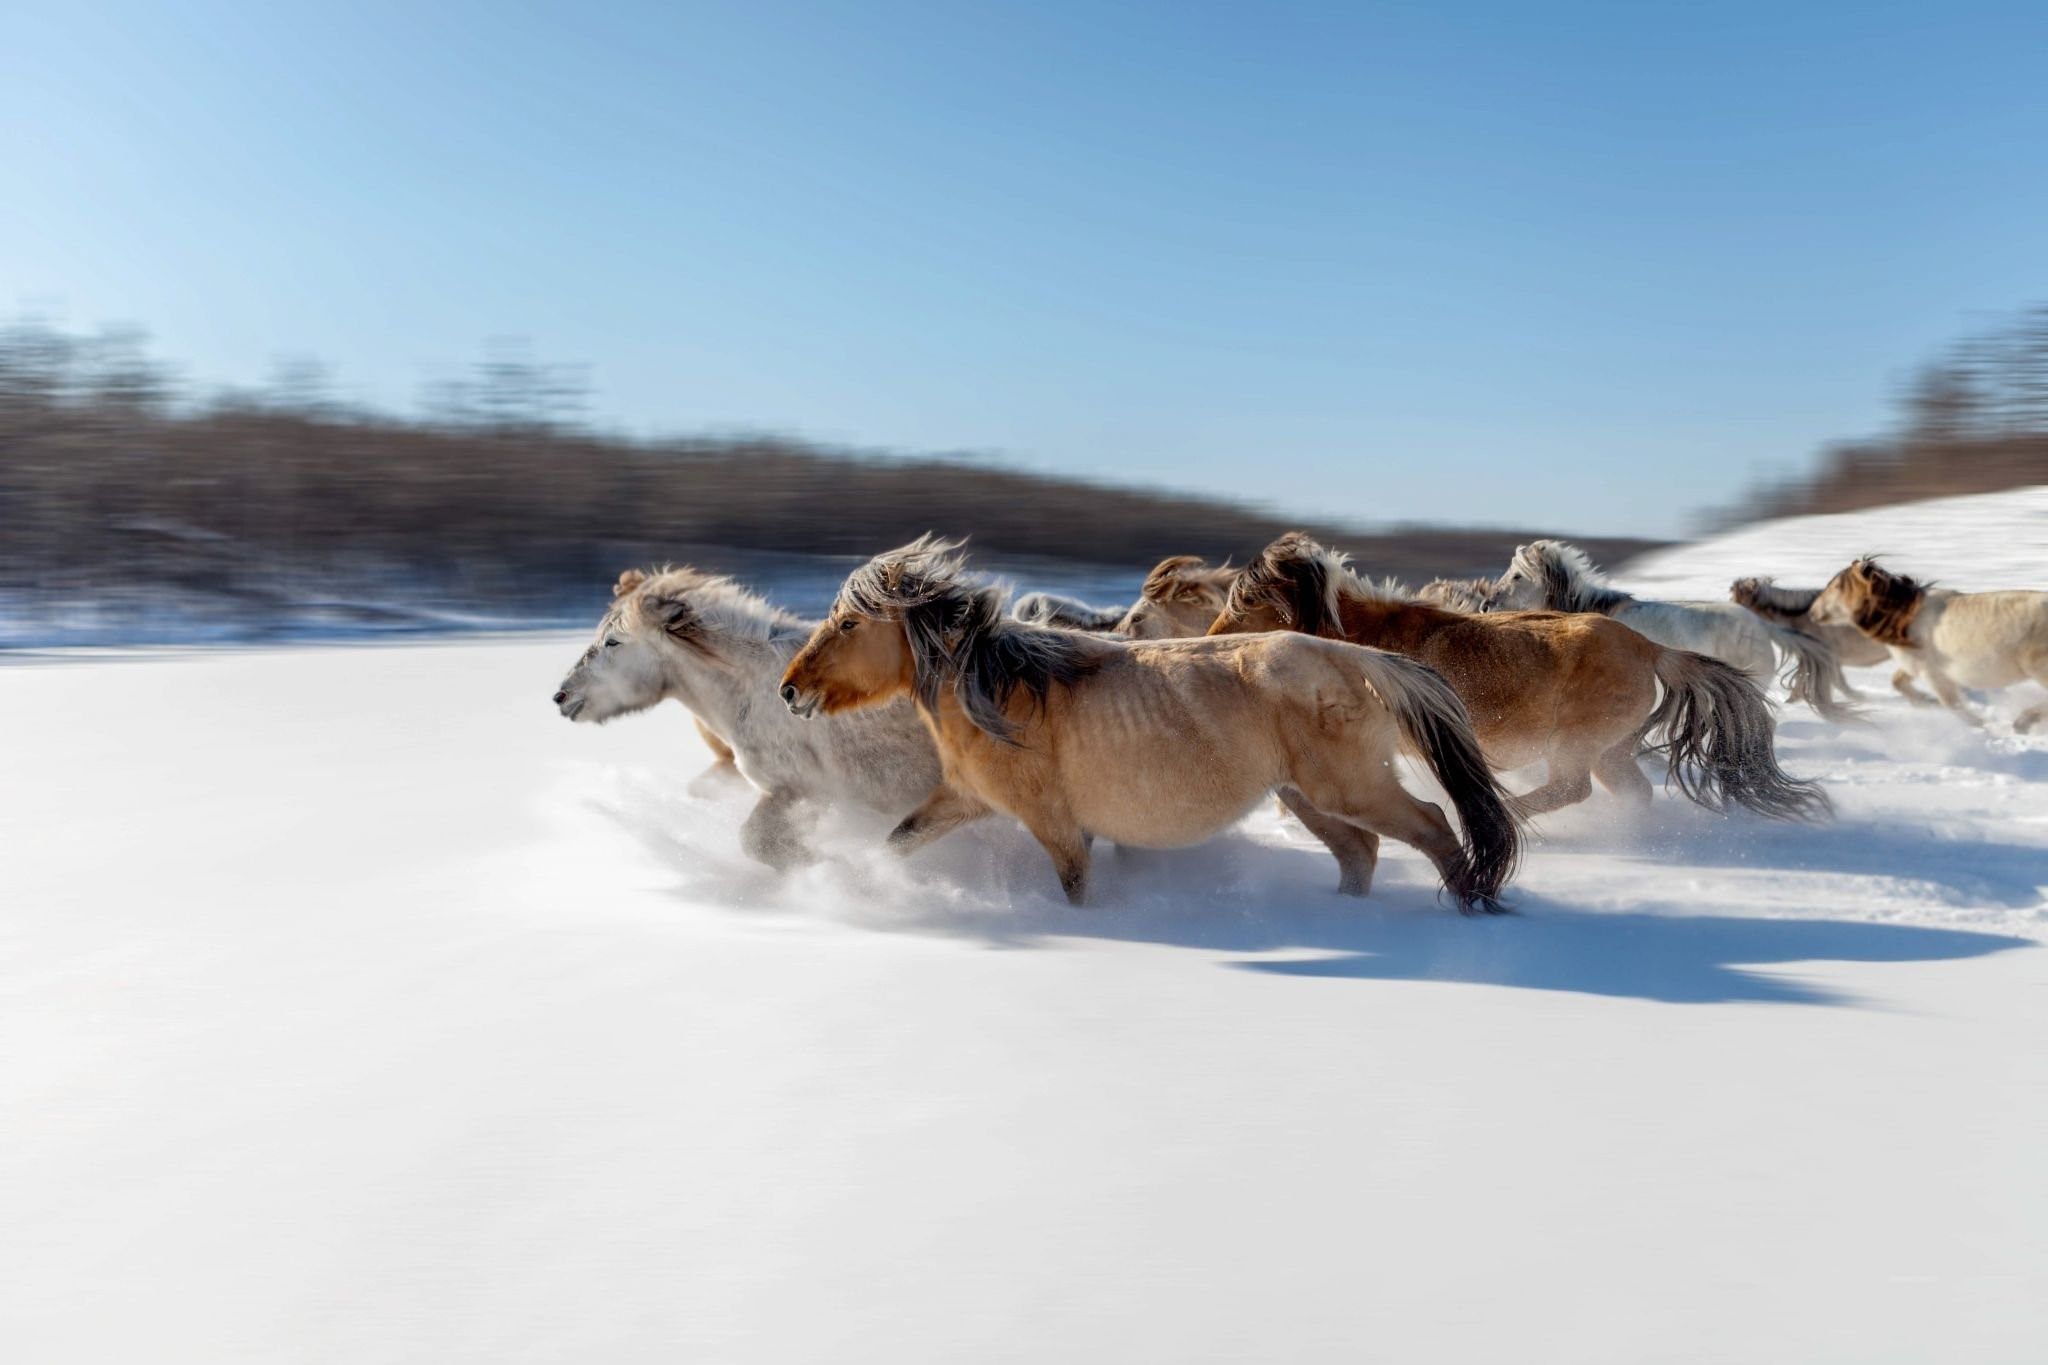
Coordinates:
848 622
611 644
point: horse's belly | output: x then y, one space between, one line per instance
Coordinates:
1144 812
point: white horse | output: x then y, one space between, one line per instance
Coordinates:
1551 575
1950 639
707 642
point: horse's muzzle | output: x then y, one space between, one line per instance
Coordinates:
799 705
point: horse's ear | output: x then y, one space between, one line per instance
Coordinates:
629 581
674 615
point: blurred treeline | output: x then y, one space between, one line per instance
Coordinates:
1973 420
500 498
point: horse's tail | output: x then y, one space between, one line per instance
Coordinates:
1435 726
1066 613
1717 737
1812 672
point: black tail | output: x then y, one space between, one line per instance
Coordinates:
1435 724
1717 736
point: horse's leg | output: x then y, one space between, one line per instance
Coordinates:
1375 800
1902 683
1570 781
2037 668
1621 774
1066 845
1952 697
1357 850
946 809
772 834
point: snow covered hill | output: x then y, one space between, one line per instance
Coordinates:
357 1008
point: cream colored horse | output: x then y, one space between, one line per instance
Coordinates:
703 640
1950 640
1154 744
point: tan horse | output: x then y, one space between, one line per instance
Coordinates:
1181 597
1951 640
1154 744
1576 690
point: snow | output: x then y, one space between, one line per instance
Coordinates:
357 1008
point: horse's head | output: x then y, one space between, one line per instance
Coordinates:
1876 601
1469 595
854 658
621 672
891 612
1181 597
656 622
1292 585
1525 585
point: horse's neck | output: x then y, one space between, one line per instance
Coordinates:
1397 626
721 694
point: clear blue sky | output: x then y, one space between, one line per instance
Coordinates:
1583 265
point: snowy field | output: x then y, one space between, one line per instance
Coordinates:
357 1008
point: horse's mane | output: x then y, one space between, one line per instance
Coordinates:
1187 578
699 608
959 637
1570 582
1064 613
1298 578
1884 603
1764 597
1304 582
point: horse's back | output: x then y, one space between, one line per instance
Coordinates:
1992 639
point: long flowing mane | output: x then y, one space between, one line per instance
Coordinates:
959 637
1569 580
1305 582
1883 603
701 609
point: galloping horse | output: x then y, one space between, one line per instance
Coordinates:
1154 744
1579 691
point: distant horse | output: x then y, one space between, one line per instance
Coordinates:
1469 595
1949 639
1153 744
718 649
1552 575
1792 608
1180 598
1578 691
1065 613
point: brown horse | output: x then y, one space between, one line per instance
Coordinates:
1577 690
1154 744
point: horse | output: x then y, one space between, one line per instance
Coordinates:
1469 595
718 649
1180 598
1792 608
1065 613
1579 691
1949 639
1151 743
1549 574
